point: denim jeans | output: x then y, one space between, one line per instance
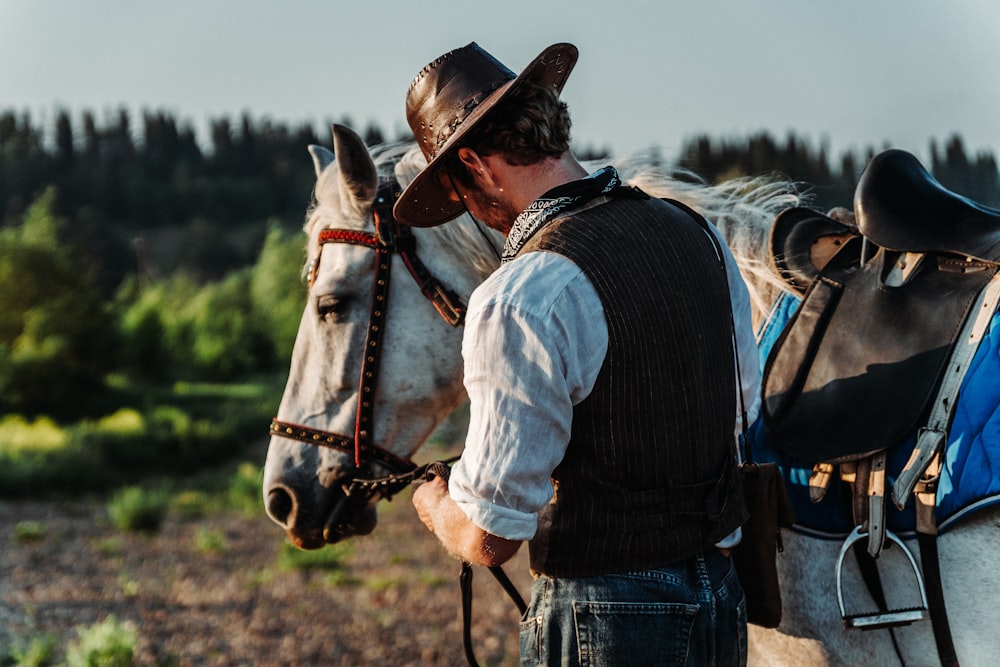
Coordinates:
689 613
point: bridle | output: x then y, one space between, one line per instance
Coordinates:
389 238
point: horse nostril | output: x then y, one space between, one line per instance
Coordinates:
279 505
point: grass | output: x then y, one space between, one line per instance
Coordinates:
192 504
210 541
330 558
137 509
110 643
110 546
37 651
133 508
30 531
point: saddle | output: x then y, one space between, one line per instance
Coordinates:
894 301
856 368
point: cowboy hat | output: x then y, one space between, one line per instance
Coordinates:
445 102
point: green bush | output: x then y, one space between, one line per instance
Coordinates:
110 643
139 510
155 337
56 335
277 288
177 329
179 430
227 337
245 490
18 434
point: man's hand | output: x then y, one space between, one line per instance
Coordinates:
462 538
427 498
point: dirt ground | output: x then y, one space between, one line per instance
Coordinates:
394 602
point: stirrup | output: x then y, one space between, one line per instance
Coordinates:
880 619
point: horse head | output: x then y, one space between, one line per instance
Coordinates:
340 419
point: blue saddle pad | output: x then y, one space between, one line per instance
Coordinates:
970 479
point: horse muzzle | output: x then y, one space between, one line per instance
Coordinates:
311 522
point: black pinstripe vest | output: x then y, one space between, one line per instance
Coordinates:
648 478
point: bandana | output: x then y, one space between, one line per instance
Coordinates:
558 200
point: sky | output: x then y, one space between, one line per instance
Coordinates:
652 73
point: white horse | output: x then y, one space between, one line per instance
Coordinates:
419 382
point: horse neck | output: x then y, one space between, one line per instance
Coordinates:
460 253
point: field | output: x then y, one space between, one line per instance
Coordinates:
224 589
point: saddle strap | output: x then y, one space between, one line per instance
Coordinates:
876 504
866 477
819 481
932 438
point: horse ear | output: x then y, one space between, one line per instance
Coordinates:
322 158
358 175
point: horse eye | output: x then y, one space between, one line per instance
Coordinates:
330 307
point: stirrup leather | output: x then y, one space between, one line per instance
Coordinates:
880 619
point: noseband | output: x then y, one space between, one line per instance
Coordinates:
390 237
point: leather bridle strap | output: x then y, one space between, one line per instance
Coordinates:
398 238
447 303
313 436
373 337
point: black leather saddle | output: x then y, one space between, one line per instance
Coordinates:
856 368
900 206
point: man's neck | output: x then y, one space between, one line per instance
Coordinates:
537 179
523 184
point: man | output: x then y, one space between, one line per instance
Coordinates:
600 370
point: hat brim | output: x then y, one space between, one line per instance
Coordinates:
426 201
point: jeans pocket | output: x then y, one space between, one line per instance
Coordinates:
632 633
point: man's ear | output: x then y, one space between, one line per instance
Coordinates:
480 168
471 160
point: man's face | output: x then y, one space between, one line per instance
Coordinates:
494 209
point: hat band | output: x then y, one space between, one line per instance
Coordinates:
461 115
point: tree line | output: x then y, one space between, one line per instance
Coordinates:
833 181
132 247
148 196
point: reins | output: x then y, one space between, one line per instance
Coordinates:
390 237
465 579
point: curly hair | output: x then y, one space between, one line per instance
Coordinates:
530 125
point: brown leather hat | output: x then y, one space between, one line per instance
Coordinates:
446 100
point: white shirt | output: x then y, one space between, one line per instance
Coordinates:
535 340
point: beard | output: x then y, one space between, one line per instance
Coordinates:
495 210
